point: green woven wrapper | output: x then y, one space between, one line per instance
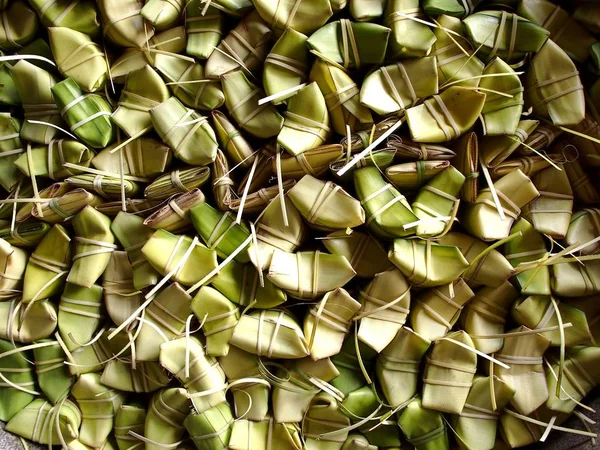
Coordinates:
11 149
88 116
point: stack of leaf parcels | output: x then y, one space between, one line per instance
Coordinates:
307 224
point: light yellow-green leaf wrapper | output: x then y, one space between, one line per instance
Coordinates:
286 65
120 297
381 158
456 61
34 86
147 376
206 95
467 162
251 397
34 422
553 87
409 38
16 369
366 254
93 358
437 199
205 373
436 310
565 30
572 279
48 160
426 264
264 435
306 123
504 34
245 47
109 187
310 274
424 428
581 376
550 213
142 157
346 363
482 220
324 416
350 44
162 14
94 243
219 315
537 311
11 150
98 405
164 419
325 205
210 429
234 144
38 323
165 320
397 366
177 182
13 263
165 250
271 333
189 134
172 41
123 24
328 322
48 266
449 373
78 57
447 116
19 26
500 115
495 149
477 423
529 247
486 315
487 267
385 304
53 376
341 96
204 31
88 115
241 98
131 232
129 417
366 12
220 231
272 234
584 227
292 392
240 283
393 88
79 314
144 90
523 354
81 17
410 176
303 16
